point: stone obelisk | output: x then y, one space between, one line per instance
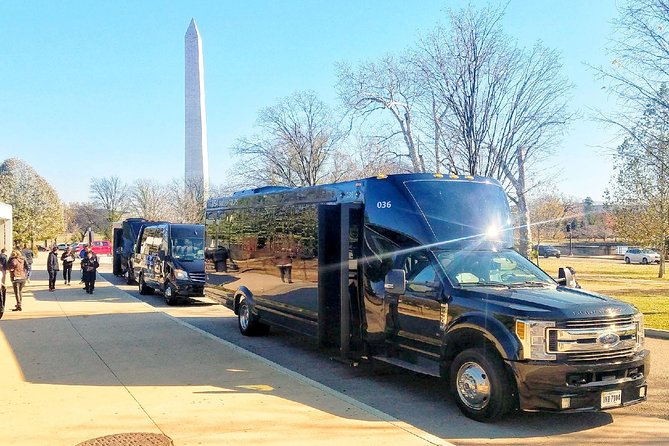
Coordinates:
197 165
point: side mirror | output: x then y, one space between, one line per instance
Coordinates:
566 278
396 282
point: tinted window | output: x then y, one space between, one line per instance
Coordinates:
460 211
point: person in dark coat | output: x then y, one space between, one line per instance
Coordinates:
3 275
28 255
68 259
52 267
221 256
89 266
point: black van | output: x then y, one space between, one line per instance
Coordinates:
170 258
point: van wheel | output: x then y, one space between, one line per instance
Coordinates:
143 288
171 296
248 323
480 385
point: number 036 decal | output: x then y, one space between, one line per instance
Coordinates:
383 204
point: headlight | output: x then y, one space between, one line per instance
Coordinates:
180 274
640 334
532 336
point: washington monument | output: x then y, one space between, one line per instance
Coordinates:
197 164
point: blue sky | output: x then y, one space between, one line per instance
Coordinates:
90 89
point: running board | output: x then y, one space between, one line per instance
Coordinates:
423 366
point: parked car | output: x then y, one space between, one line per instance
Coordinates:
101 247
62 246
645 256
548 251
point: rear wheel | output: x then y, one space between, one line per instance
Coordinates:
143 288
248 323
171 296
480 385
627 260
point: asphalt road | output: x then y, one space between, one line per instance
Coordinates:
423 401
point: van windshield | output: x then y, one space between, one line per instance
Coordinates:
491 268
187 244
462 212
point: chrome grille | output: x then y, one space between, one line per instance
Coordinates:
594 356
197 277
593 339
603 323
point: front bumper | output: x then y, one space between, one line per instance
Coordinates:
189 289
546 386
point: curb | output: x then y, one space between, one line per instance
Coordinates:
656 333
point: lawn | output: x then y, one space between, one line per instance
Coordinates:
636 284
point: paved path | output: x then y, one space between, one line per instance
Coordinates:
76 366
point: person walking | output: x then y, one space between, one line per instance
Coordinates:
3 275
28 255
89 266
52 267
68 259
17 267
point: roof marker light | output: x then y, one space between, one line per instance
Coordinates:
438 175
454 176
469 177
382 176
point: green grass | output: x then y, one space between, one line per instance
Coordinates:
636 284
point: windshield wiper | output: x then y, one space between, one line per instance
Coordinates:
490 284
529 283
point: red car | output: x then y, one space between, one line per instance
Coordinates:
99 247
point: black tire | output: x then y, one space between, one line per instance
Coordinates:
627 260
557 256
546 256
481 386
171 296
248 323
644 261
144 289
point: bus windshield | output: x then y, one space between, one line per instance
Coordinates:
491 268
460 212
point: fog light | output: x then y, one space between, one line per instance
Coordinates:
642 392
565 403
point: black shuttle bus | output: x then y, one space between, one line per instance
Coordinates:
419 270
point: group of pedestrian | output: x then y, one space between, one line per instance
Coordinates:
89 266
17 267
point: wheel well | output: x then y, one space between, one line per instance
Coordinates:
463 340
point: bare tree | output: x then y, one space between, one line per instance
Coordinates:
81 216
365 158
297 138
149 199
187 200
497 109
386 86
110 194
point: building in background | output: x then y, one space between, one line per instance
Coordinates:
6 226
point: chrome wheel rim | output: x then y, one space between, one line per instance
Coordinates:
473 386
244 316
140 283
168 291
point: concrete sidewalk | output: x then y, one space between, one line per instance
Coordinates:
76 366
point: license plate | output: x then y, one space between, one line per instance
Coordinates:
612 398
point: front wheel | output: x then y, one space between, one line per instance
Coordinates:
481 387
644 261
171 296
248 324
627 260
